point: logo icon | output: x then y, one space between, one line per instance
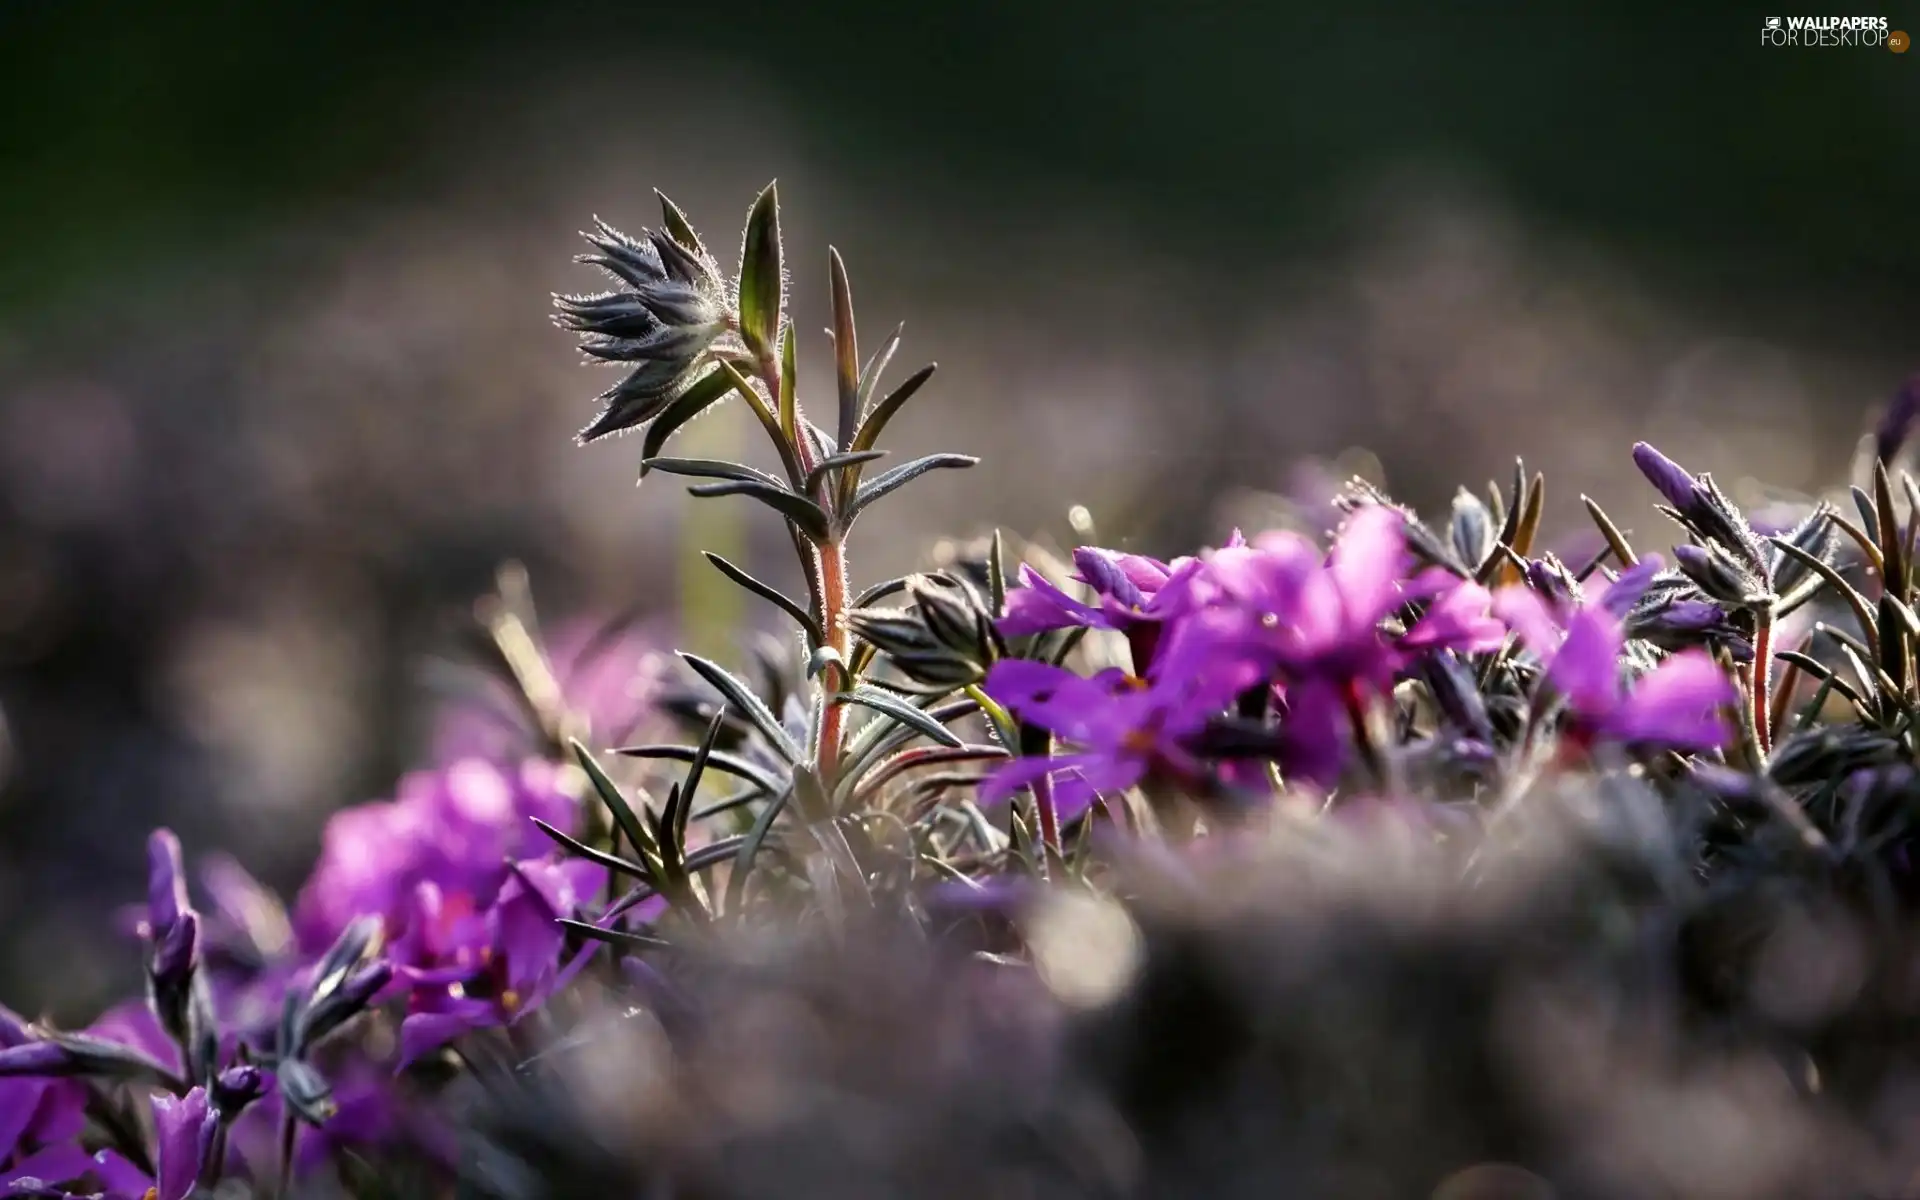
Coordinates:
1898 41
1773 23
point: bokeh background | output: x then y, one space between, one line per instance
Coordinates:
277 390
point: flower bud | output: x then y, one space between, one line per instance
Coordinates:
945 640
671 309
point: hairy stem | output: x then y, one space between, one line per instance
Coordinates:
1761 679
826 571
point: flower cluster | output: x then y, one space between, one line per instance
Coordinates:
933 758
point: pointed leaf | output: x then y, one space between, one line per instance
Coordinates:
880 591
837 462
902 475
677 226
637 834
997 574
690 786
709 468
579 849
769 421
1894 574
698 398
760 281
794 507
750 849
746 703
890 705
846 348
1611 532
1862 612
718 760
876 420
771 594
870 374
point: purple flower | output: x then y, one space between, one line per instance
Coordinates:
456 828
1120 725
1135 595
1676 706
1668 477
1316 619
475 969
39 1118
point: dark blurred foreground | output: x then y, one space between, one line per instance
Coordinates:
1349 1012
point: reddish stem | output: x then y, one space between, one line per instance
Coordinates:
828 568
1760 681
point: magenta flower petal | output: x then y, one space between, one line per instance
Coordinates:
423 1033
1528 616
1038 606
55 1164
1587 669
178 1123
1679 704
1369 560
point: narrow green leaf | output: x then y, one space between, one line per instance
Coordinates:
1894 574
678 227
880 591
902 475
827 466
760 274
690 786
746 703
870 374
771 594
1611 532
718 760
997 574
791 505
846 349
890 705
698 398
612 862
876 420
750 849
769 421
637 834
709 468
1862 612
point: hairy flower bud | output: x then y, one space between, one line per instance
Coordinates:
671 308
944 639
1722 576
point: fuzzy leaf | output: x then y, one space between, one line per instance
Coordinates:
796 508
718 760
846 349
772 595
698 398
760 281
890 705
709 468
637 834
876 421
902 475
746 703
677 226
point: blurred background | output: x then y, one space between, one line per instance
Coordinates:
278 392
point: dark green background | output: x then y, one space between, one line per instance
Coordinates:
133 131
